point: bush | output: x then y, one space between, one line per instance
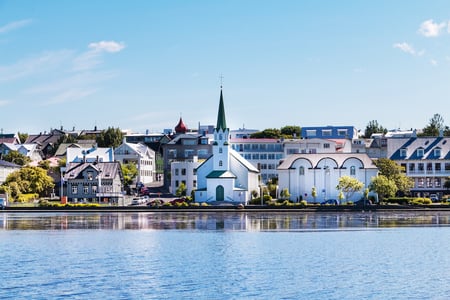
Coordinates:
27 197
204 204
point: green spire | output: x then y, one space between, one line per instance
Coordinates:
221 122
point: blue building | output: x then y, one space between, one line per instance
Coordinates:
330 132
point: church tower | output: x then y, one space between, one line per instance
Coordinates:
221 145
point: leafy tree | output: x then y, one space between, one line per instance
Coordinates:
272 133
111 137
17 158
373 127
434 127
181 190
129 172
290 131
29 180
285 194
383 186
314 193
44 164
349 186
393 171
22 137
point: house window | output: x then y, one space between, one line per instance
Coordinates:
326 132
255 156
74 189
412 167
177 172
437 152
90 175
429 182
310 133
94 189
177 183
437 182
220 163
263 156
403 152
342 132
326 146
194 183
437 167
420 152
420 167
302 170
429 167
420 182
447 166
183 172
202 152
188 153
352 170
86 189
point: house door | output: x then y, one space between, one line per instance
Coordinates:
220 193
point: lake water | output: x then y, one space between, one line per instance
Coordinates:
224 255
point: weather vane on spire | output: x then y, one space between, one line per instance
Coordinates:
221 80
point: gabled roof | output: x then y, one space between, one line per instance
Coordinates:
107 170
221 174
428 144
243 161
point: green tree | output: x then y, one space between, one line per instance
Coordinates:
373 127
111 137
434 127
272 133
349 186
29 180
393 171
285 195
129 172
383 186
314 193
22 137
17 158
181 190
290 131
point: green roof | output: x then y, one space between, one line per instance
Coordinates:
221 174
221 122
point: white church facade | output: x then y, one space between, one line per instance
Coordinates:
225 176
299 173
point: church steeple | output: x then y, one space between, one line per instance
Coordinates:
221 122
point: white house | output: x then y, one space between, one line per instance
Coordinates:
226 175
299 173
184 172
143 156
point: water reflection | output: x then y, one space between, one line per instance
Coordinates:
241 221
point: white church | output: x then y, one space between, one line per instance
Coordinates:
225 176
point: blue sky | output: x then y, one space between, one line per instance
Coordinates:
142 64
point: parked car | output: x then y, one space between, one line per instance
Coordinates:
330 202
139 200
434 197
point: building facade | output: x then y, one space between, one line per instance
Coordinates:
142 156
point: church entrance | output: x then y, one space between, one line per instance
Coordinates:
220 194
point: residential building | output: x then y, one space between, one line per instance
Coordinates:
12 138
330 132
184 172
142 156
47 143
425 159
226 175
93 154
299 173
97 182
264 154
29 150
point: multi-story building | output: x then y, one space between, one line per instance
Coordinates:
184 172
330 132
425 159
264 154
142 156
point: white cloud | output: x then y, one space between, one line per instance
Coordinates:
433 62
107 46
14 25
35 65
405 47
92 58
4 103
431 29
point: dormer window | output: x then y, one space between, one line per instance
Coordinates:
437 152
403 152
420 152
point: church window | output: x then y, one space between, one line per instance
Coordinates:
220 137
302 171
220 150
352 170
220 163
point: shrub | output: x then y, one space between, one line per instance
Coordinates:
204 204
26 197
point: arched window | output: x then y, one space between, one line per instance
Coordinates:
220 163
301 170
352 170
220 150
